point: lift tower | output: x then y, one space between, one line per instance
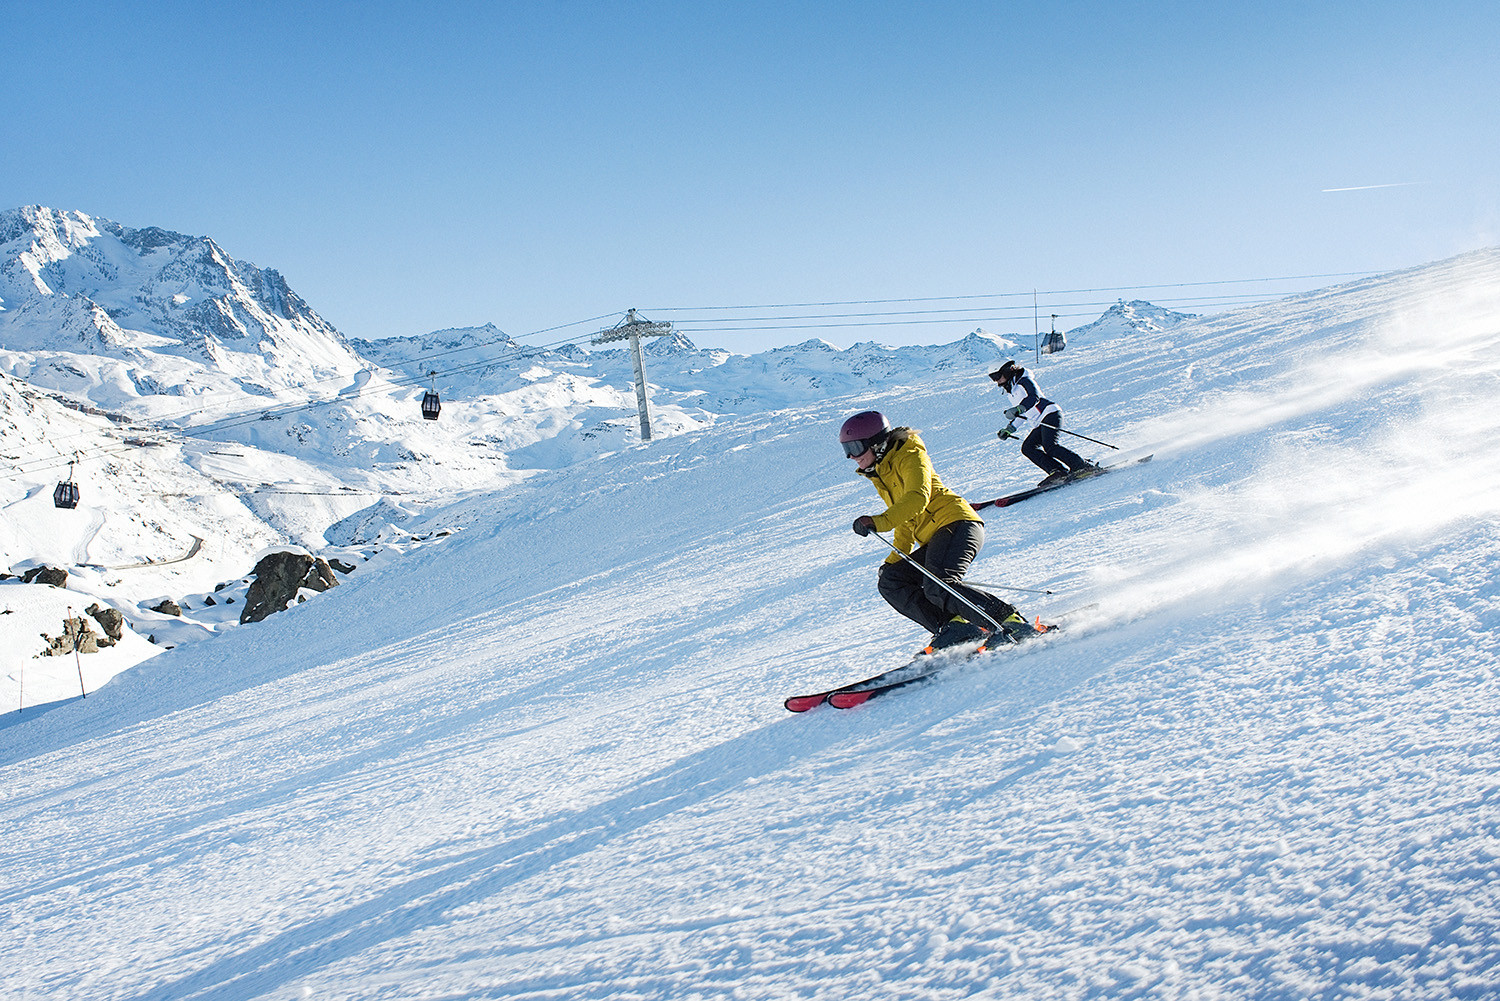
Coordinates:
633 328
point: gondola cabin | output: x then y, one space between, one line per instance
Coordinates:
66 495
431 405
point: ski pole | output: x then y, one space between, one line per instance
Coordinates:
939 582
1085 437
1009 587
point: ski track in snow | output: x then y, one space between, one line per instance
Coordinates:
547 759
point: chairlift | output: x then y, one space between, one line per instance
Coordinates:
66 494
430 402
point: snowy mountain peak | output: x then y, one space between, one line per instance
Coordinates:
72 282
1134 317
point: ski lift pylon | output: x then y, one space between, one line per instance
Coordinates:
430 402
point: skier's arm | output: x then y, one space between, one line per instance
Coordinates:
1032 396
915 470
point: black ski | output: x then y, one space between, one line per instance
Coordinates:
1031 492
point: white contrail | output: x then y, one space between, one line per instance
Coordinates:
1368 187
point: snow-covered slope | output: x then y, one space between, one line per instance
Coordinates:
547 758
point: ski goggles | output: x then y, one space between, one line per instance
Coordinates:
854 449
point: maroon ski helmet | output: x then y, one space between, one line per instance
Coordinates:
869 429
864 425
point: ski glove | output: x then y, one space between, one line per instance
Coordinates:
864 525
1009 431
1013 412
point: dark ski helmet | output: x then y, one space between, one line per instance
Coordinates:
1006 373
864 431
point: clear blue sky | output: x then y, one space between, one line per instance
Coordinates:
414 166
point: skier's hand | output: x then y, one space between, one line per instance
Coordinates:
1012 413
864 525
1009 431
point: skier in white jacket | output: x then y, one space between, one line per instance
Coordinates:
1040 446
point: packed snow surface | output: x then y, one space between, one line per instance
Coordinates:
547 758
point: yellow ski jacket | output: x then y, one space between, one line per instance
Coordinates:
917 503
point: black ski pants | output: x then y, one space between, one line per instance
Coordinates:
947 556
1041 447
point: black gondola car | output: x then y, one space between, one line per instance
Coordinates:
431 405
66 495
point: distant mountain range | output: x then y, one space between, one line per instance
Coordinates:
149 322
185 346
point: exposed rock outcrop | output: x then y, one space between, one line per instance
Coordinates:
279 579
109 619
78 634
45 575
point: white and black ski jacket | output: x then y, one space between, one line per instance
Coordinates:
1024 394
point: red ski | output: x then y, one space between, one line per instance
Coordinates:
925 664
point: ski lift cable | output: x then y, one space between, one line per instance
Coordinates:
1007 295
1019 309
240 420
839 326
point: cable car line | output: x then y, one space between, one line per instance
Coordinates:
1020 309
1003 295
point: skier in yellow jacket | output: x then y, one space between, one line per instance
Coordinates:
933 526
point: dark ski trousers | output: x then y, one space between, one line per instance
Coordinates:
947 556
1041 447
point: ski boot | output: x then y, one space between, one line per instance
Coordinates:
956 631
1017 629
